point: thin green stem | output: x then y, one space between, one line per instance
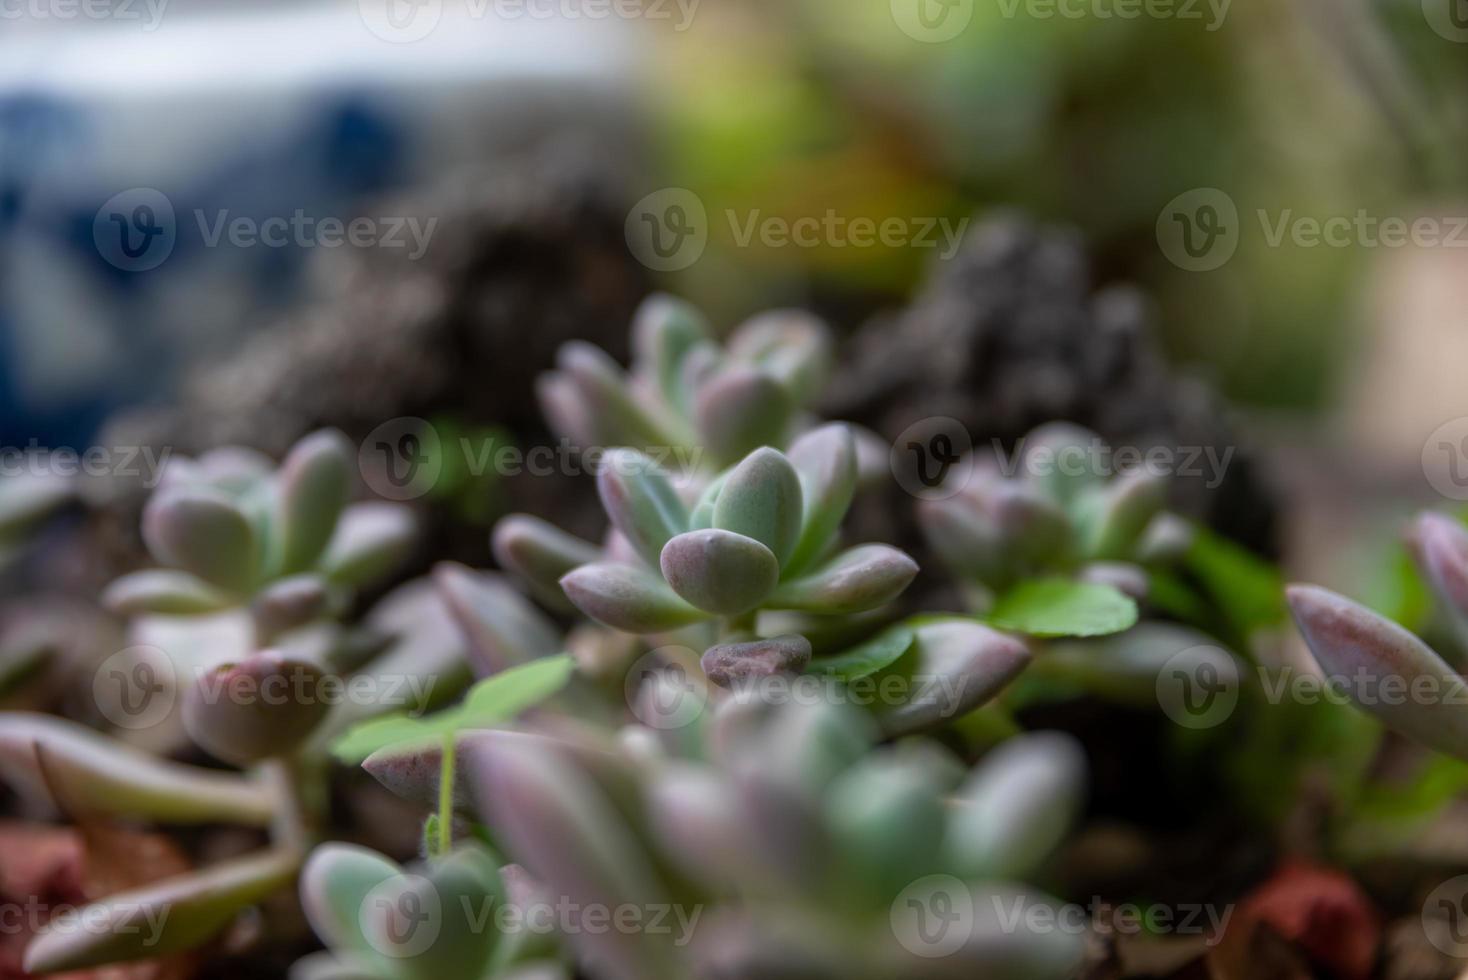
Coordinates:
446 797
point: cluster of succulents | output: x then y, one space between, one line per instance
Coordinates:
647 757
262 563
775 840
235 532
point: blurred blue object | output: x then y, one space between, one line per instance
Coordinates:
129 154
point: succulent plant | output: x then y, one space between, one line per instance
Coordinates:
685 390
785 841
283 549
751 542
1056 516
759 773
442 918
285 543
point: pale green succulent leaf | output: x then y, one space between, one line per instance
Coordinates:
164 917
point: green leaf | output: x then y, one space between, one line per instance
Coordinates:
1061 607
492 701
1248 589
879 652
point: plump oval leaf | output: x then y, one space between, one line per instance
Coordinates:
825 459
740 410
1016 807
856 580
640 501
628 598
719 571
204 533
371 539
761 499
1386 670
540 553
164 591
312 487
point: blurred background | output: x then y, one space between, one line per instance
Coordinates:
234 207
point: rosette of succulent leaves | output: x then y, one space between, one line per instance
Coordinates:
749 583
1386 669
1048 517
252 663
737 839
695 404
